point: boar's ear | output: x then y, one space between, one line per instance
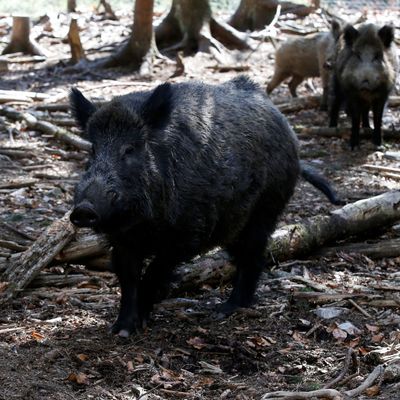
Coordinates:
386 34
335 29
157 108
81 107
350 35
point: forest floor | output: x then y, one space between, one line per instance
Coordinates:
54 338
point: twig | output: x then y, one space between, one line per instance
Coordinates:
359 308
349 357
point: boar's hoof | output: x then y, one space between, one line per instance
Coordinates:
126 328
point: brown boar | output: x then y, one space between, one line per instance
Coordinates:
304 58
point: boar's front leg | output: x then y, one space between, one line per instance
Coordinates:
355 113
128 268
377 108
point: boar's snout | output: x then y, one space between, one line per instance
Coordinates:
84 216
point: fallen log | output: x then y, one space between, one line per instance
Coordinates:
382 249
342 132
303 103
24 267
287 242
46 127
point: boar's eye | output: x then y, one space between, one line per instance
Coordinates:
130 149
358 55
378 57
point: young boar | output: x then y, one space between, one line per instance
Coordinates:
304 58
179 170
364 75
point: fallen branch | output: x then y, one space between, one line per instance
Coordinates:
25 266
46 127
303 103
16 95
382 249
332 394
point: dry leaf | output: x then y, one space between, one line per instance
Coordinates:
378 338
339 334
372 391
79 378
37 336
82 357
372 328
129 364
196 342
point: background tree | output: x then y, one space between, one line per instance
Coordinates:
137 51
190 26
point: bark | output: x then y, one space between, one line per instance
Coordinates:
21 40
253 15
23 267
71 6
189 26
138 49
77 52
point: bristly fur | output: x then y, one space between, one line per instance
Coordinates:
178 170
365 73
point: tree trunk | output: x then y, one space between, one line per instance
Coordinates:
253 15
20 38
189 26
139 47
71 6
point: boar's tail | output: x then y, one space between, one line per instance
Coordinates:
321 183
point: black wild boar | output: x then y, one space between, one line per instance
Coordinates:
179 170
364 75
304 58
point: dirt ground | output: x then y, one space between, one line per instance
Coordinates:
54 338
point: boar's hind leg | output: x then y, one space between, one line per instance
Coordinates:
128 268
294 82
248 254
276 80
155 284
378 113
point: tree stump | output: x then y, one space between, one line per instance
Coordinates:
77 52
21 40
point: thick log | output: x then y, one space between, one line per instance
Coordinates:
24 267
343 132
46 127
288 242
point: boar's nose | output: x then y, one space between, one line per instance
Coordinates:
84 216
